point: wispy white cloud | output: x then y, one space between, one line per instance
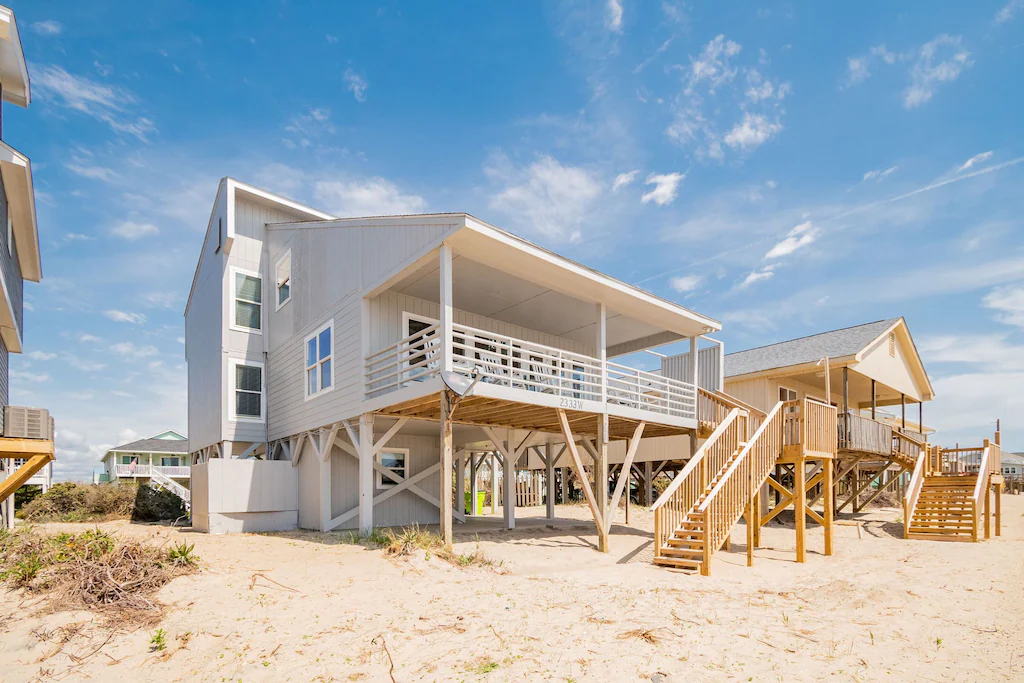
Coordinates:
305 129
879 175
797 238
101 173
133 352
685 283
1008 302
939 61
546 196
666 188
125 317
858 68
130 230
369 197
976 159
106 103
356 84
1009 11
613 14
624 180
752 132
48 27
86 338
765 273
31 377
41 355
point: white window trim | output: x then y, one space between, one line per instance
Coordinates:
278 304
383 483
334 365
232 364
234 297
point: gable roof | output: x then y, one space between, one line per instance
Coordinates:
152 446
834 344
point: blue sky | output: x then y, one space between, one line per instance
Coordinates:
787 169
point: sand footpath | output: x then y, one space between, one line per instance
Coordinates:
307 607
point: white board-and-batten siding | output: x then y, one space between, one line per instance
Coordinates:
708 363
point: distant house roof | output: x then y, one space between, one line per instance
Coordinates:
835 344
164 442
1013 458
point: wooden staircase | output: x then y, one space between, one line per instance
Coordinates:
684 548
948 495
945 509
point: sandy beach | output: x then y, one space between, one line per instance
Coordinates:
309 607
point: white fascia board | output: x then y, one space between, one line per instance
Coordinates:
608 284
20 91
16 169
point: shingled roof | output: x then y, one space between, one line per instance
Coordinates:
154 446
834 344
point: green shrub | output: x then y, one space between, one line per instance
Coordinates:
73 502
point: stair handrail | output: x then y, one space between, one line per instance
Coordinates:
676 501
983 476
914 492
696 459
745 475
733 402
177 489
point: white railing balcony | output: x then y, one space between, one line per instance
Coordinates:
179 471
502 361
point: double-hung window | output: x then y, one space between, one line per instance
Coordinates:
246 391
319 377
283 275
395 460
248 299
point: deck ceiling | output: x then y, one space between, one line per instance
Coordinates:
485 291
859 388
483 411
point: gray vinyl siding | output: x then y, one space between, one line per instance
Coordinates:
4 391
708 363
203 340
401 509
10 266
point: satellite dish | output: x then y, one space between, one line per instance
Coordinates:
459 383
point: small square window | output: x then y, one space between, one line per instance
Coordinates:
247 402
396 460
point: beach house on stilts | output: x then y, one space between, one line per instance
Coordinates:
341 370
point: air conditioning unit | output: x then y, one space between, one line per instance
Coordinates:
27 423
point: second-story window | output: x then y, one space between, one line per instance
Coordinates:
283 274
319 366
247 405
248 301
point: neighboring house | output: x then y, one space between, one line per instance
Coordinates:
869 366
329 344
1013 465
19 261
164 454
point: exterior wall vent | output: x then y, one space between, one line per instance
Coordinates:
27 423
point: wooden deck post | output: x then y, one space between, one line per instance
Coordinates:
494 483
988 505
648 484
800 508
563 489
474 484
460 480
601 480
365 449
446 493
508 480
828 503
999 508
549 479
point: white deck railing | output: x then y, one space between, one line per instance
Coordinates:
180 471
527 366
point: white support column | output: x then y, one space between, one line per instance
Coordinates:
549 478
460 480
325 478
494 482
474 485
508 480
365 450
446 308
693 360
601 479
601 348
